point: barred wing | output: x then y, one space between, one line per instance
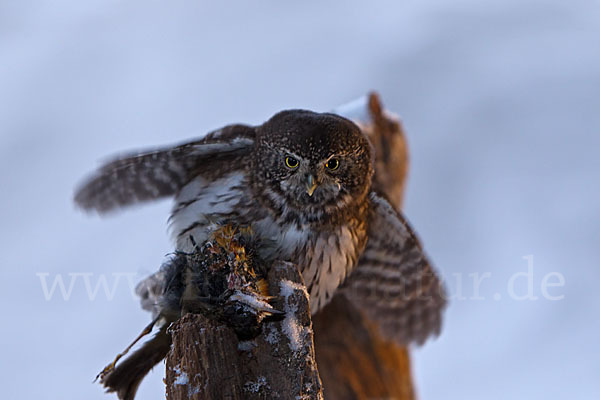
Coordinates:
150 175
394 283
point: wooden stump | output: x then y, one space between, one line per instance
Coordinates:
207 361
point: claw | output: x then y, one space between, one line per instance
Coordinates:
258 303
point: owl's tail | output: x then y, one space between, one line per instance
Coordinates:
127 376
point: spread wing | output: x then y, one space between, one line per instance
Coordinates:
150 175
394 283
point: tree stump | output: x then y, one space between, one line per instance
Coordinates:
207 361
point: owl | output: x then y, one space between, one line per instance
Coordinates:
304 182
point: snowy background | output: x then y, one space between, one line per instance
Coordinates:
501 102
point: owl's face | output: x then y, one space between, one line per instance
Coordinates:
312 163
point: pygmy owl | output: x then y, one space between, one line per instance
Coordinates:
303 182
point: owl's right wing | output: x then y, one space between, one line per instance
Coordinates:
394 284
150 175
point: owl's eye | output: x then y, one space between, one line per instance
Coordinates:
332 164
291 162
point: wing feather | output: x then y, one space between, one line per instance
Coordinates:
149 175
394 283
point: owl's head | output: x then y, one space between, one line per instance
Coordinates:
312 163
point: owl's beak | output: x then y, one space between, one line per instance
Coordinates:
311 185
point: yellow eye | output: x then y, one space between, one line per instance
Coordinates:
332 164
291 162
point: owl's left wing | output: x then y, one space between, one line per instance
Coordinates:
394 284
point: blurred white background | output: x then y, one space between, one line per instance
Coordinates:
501 102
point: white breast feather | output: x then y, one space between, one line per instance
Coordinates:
329 279
214 197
